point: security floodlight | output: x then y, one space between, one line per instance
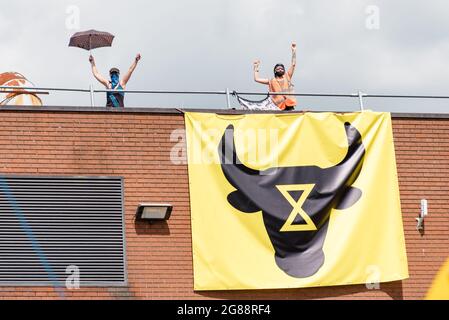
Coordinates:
153 211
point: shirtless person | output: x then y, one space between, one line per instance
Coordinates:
280 83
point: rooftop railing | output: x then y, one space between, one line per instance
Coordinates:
227 93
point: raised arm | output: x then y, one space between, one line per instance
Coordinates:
96 74
291 70
256 74
131 70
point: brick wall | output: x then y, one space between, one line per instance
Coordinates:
136 145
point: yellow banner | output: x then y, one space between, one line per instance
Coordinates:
294 200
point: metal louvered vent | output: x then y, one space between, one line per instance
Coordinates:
50 226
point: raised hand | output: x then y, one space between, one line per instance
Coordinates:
138 56
256 64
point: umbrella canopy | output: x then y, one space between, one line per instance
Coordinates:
91 39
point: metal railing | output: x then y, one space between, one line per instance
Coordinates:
228 93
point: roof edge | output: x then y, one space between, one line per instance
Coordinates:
171 111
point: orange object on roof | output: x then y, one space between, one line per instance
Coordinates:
17 96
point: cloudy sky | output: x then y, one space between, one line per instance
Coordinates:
378 47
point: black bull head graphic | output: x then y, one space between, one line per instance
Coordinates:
295 201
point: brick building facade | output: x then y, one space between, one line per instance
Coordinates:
136 143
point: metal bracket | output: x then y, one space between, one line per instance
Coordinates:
420 224
91 90
422 215
228 98
360 94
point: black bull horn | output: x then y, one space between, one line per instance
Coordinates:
298 243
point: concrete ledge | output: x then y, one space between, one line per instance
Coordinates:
171 111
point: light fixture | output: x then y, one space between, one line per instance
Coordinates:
153 211
422 215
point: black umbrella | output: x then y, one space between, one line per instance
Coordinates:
91 39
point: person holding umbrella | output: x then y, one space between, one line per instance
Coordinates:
114 99
92 39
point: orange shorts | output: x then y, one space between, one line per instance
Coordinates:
287 103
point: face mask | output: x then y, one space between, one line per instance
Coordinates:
279 73
114 79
